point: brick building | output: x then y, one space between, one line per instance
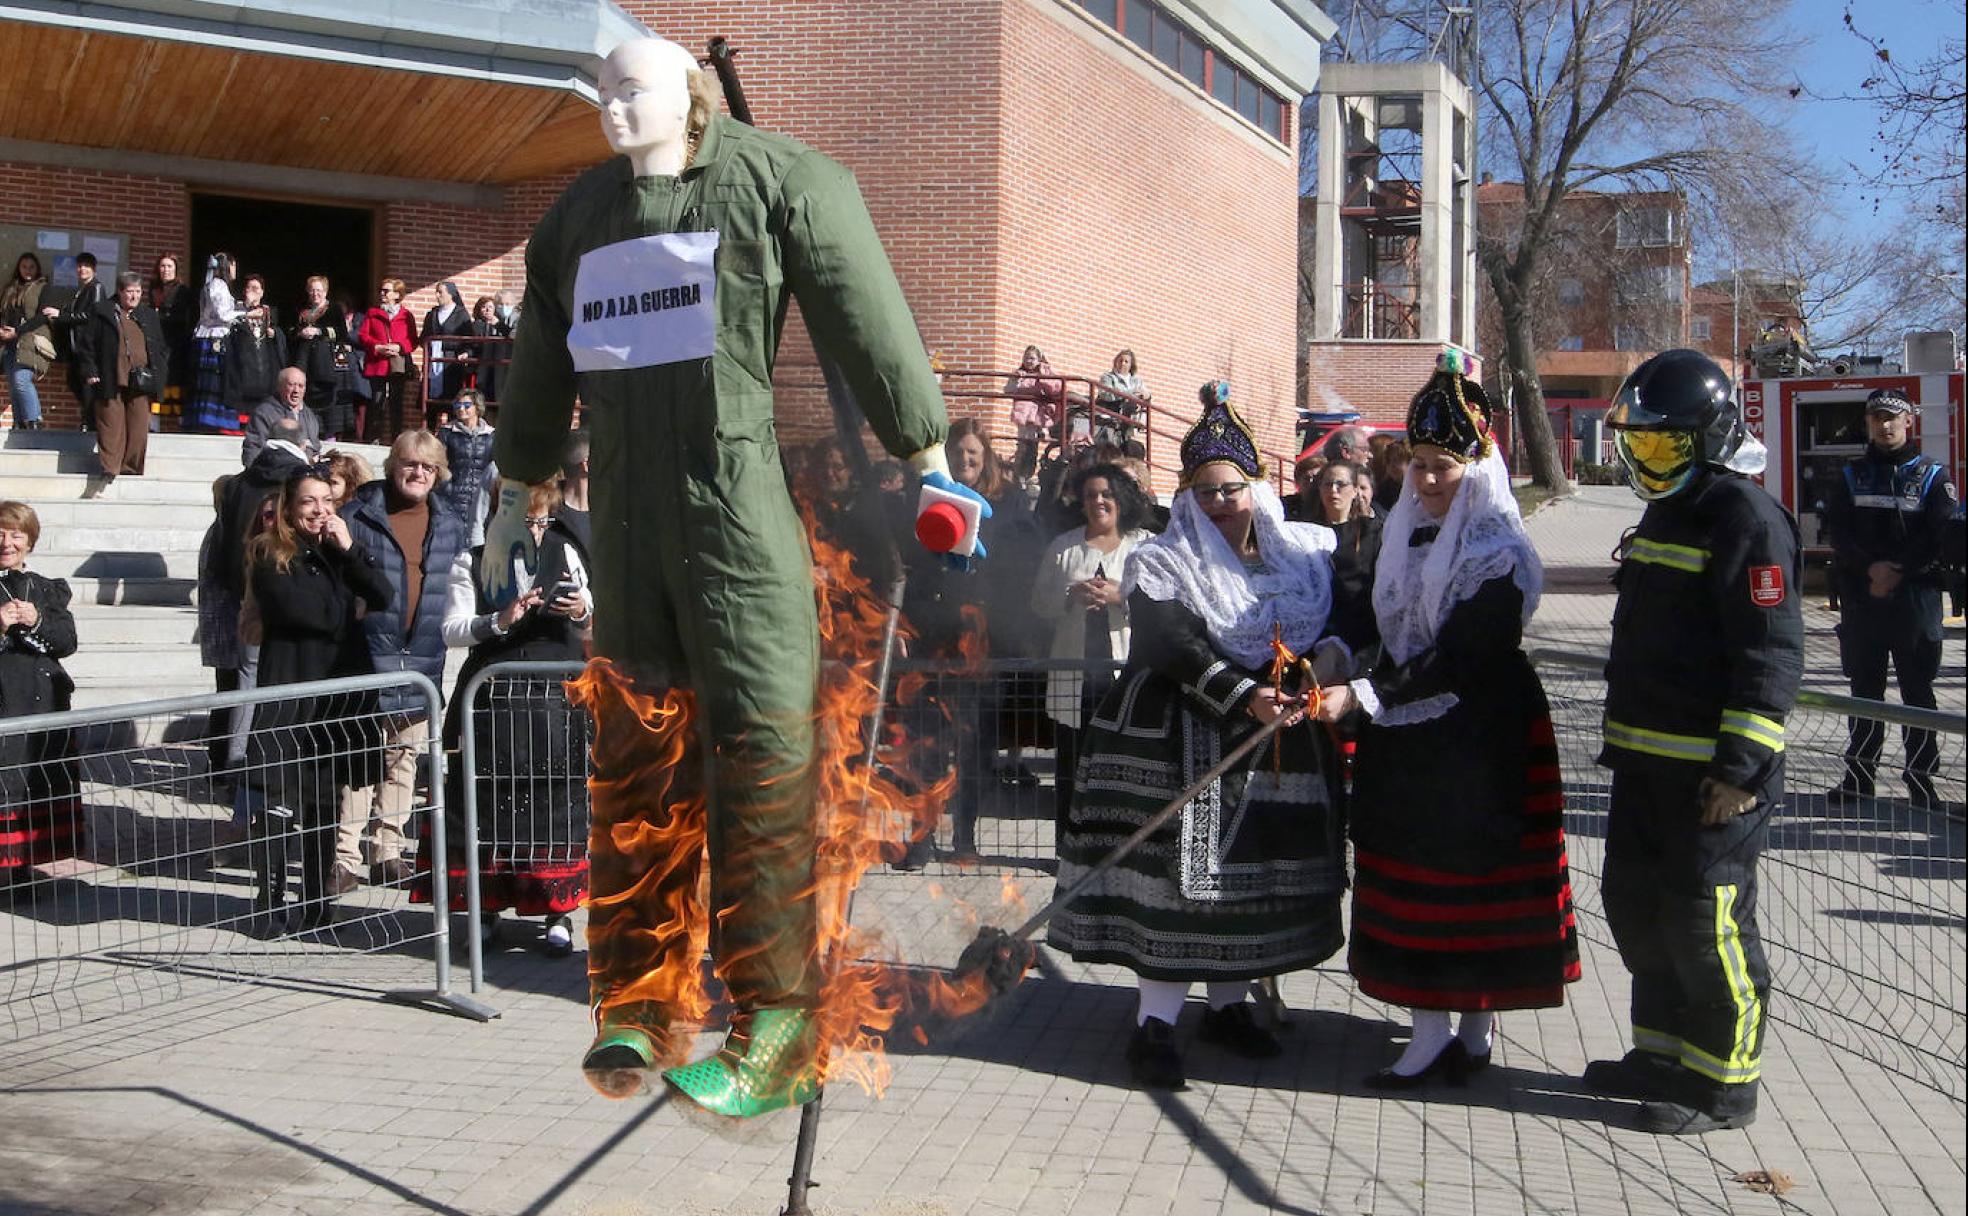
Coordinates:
1615 288
1083 176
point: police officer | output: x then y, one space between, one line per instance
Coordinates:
1887 516
1707 652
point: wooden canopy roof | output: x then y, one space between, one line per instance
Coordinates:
176 98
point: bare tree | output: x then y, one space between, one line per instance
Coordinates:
1575 94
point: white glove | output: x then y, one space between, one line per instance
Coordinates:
509 547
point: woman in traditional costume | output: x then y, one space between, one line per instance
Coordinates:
1247 881
1462 902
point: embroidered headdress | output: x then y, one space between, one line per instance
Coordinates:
1452 412
1220 435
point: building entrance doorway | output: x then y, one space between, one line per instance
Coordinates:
284 243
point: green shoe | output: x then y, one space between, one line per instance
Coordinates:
626 1046
766 1064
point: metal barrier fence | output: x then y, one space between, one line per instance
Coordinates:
188 848
1863 908
523 815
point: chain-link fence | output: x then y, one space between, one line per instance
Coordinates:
216 846
1863 904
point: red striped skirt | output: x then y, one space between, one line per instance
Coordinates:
1430 939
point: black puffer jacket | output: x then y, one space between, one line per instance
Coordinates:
422 650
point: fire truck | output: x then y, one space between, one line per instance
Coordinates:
1813 424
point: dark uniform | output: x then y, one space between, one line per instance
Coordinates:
1707 652
1890 507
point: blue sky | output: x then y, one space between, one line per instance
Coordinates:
1831 61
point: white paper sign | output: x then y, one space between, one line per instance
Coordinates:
49 238
645 302
106 248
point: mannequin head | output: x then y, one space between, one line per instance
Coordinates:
648 88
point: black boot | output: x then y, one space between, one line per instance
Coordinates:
1644 1075
268 842
1152 1057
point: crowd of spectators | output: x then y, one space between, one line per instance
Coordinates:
212 355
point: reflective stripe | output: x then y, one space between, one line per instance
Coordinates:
1887 502
1658 1042
1743 1064
1660 553
1754 727
1659 742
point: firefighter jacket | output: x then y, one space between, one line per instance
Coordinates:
1708 635
1888 507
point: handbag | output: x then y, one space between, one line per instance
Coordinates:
143 380
398 365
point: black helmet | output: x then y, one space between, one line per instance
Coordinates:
1686 392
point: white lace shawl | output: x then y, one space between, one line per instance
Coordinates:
1192 564
1482 538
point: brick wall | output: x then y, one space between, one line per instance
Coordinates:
1378 379
1137 214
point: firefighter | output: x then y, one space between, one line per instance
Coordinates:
656 287
1707 652
1887 515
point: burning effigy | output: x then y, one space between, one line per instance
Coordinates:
656 286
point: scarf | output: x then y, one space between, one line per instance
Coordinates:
1192 565
1482 537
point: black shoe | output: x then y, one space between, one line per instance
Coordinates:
1471 1062
1666 1118
1234 1027
1152 1057
1849 791
1921 794
1644 1075
1448 1062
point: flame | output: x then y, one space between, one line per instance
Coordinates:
669 858
864 813
974 642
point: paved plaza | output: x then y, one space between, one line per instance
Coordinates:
310 1095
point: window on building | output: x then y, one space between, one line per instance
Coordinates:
1638 336
1155 30
1571 293
1571 342
1647 227
1167 45
1700 329
1190 54
1223 82
1647 285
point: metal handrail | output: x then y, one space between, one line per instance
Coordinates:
1831 702
1144 422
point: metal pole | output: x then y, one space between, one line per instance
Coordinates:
800 1181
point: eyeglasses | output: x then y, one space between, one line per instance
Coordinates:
1226 492
538 521
417 466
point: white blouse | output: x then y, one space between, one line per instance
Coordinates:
1072 560
217 310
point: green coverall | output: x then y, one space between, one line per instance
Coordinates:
702 573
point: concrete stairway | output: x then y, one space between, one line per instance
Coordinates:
130 555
